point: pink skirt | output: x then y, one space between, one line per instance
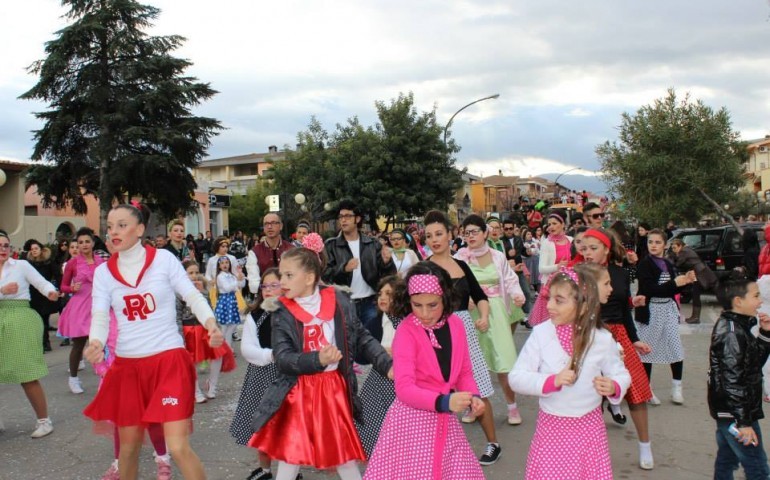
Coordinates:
569 447
75 319
539 312
422 445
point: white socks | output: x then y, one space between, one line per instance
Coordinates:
645 451
286 471
511 405
615 409
347 471
676 383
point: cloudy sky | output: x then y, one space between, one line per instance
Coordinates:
565 71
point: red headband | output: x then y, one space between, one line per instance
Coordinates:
599 235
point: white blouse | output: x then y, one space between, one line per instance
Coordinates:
229 283
24 275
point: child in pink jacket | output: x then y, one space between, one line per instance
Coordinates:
421 438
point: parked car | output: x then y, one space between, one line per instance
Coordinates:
720 247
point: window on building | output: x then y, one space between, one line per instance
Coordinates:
245 170
30 211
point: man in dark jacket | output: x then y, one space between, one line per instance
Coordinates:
359 262
735 380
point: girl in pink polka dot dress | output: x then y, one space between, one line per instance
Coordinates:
571 362
421 438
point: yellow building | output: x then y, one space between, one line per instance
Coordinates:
758 166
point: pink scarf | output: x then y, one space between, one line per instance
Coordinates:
430 329
557 238
468 254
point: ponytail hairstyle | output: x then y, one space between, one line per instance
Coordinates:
586 294
309 261
315 243
137 210
402 306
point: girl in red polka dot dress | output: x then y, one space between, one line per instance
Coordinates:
571 362
421 438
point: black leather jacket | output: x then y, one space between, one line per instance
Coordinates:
372 267
351 338
735 369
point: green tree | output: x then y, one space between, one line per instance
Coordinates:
247 211
670 157
399 166
118 123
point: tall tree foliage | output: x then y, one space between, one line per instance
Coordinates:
247 211
669 154
119 121
399 166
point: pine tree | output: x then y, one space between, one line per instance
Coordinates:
119 122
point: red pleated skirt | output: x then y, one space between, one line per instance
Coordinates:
139 391
314 425
639 391
196 341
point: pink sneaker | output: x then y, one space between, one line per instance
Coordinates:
112 473
164 467
514 417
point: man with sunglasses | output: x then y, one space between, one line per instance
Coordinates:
593 215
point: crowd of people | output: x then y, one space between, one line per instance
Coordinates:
425 315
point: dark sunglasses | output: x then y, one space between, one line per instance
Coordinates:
508 229
597 215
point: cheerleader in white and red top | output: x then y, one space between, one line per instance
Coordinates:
306 416
571 362
152 379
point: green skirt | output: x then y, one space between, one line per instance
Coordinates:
21 343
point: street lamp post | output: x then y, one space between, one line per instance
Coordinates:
495 96
556 182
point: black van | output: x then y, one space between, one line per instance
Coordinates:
720 247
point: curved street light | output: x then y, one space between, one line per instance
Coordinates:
497 95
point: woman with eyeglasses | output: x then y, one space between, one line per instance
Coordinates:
403 256
21 351
220 248
501 285
555 252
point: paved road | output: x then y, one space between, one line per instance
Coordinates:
682 436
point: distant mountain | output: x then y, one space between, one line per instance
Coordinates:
579 182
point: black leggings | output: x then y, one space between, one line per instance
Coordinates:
76 354
676 370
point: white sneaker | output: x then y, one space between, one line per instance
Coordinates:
75 386
44 427
676 394
211 390
81 365
654 400
200 397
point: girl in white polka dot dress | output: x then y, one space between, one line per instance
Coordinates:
421 438
571 362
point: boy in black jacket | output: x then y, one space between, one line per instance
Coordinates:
735 379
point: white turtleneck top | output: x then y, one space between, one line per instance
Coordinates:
146 312
312 305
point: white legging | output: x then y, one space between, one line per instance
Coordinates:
346 471
228 331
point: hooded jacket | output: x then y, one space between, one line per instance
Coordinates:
735 369
287 341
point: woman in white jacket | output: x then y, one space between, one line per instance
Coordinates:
554 254
570 362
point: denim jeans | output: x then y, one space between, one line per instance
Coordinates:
526 290
366 309
731 454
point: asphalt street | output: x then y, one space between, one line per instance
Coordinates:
682 436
